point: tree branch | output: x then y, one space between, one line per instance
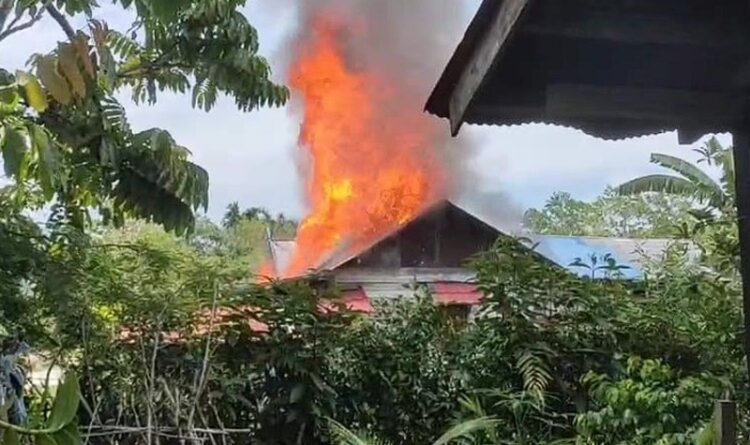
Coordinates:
14 29
15 20
5 7
61 20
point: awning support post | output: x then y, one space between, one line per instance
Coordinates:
742 186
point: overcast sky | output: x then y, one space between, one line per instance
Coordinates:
249 155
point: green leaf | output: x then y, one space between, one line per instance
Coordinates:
65 406
34 93
10 437
343 436
50 165
70 435
685 169
14 149
167 10
658 183
9 95
466 429
297 393
44 439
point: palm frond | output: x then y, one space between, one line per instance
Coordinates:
535 374
466 429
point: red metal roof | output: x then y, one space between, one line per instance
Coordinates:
457 293
355 300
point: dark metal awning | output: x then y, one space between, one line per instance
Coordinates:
612 68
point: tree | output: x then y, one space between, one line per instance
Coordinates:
690 181
278 226
233 215
644 216
63 133
257 213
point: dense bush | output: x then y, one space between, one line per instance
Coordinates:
172 341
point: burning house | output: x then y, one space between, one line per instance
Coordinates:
372 163
431 251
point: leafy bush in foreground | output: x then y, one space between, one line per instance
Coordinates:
173 342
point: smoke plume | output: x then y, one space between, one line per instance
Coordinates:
360 72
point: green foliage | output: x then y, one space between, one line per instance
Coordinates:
340 435
649 404
59 428
647 215
63 133
279 227
691 181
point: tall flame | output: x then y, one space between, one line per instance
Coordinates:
371 162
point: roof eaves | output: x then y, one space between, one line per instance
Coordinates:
438 102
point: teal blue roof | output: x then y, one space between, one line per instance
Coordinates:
629 253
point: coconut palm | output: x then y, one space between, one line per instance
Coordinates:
690 180
344 436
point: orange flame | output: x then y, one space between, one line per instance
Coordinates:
372 165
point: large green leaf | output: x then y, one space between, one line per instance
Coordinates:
706 188
50 161
65 405
70 435
343 436
14 149
9 437
44 439
658 183
466 429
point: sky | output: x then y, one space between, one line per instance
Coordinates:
250 156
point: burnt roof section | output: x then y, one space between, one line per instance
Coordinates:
614 68
340 258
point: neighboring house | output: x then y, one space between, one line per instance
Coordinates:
431 251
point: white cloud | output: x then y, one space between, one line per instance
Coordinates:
533 161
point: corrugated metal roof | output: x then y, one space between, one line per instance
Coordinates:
438 103
556 44
388 290
456 293
631 253
356 300
282 252
404 276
